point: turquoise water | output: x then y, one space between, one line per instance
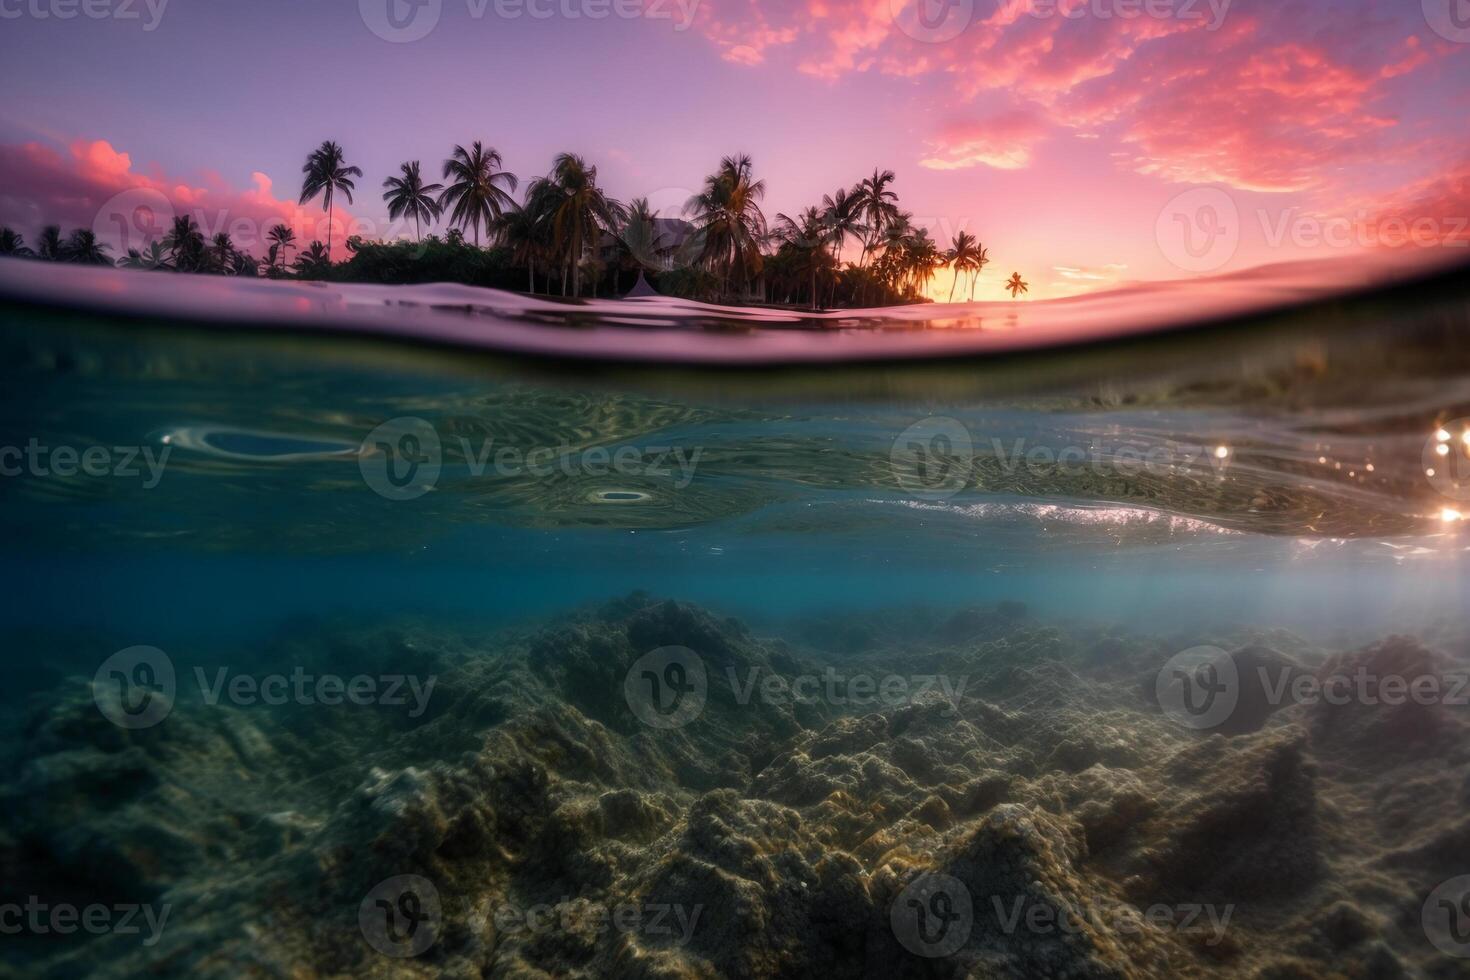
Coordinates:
249 492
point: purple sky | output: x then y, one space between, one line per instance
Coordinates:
1064 142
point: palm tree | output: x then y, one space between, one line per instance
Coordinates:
878 205
842 212
282 240
924 259
576 210
243 265
326 172
1017 285
186 246
155 256
805 238
12 244
221 253
480 192
978 262
83 248
314 261
640 236
409 195
50 246
731 224
962 257
523 229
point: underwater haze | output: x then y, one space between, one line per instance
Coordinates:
973 652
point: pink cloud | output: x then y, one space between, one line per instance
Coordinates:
1003 141
1432 212
1258 96
94 185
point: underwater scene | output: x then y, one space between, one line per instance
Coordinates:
338 656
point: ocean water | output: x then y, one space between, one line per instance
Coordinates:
940 643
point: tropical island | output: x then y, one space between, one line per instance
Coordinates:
567 237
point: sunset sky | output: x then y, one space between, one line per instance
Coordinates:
1061 132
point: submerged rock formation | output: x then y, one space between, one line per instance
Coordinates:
996 798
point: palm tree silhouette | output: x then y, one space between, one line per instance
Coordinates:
480 192
730 223
185 243
576 210
282 240
962 257
221 253
925 258
1016 285
83 248
50 246
523 230
315 261
878 206
155 256
243 265
325 173
805 236
409 195
979 261
842 212
12 244
640 237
